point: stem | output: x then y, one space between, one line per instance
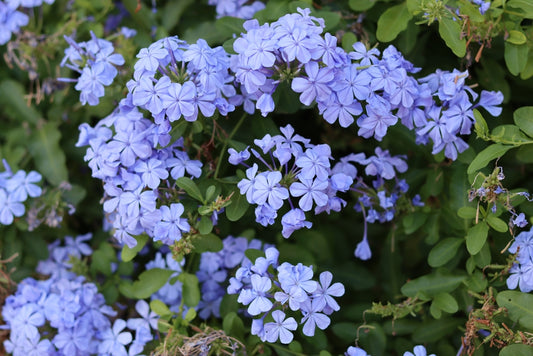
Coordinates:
233 132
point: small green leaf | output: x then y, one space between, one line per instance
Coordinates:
128 254
444 251
481 127
348 40
160 308
208 243
233 325
238 206
497 223
253 254
13 103
228 26
515 57
150 281
206 225
190 188
488 154
526 7
523 118
509 134
413 222
483 257
361 5
518 305
191 314
393 21
210 193
446 302
450 31
525 154
432 284
516 37
517 350
48 155
467 212
477 282
435 330
190 289
476 237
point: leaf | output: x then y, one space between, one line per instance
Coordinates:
160 308
481 127
450 31
253 254
467 212
172 12
361 5
523 118
518 305
393 21
190 288
47 153
331 18
128 254
444 251
206 225
233 325
432 284
525 154
446 303
13 103
488 154
525 5
238 207
516 37
515 57
414 221
517 350
476 237
208 243
348 40
483 257
472 11
150 281
497 223
477 282
228 26
509 134
435 330
190 188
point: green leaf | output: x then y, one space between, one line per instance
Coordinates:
128 254
13 103
444 251
160 308
48 155
483 257
190 289
210 193
190 315
150 281
102 258
472 11
525 154
233 325
331 18
238 206
361 5
515 57
208 243
481 127
488 154
432 284
228 26
446 302
467 212
518 305
435 330
509 134
516 37
253 254
525 5
497 223
190 188
348 40
206 225
523 118
274 10
517 350
413 222
477 282
393 21
450 31
476 237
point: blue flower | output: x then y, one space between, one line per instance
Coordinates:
280 328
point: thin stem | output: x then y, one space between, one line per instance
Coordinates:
224 148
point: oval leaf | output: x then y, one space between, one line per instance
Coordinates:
431 284
517 350
446 303
238 206
516 37
518 305
523 118
450 31
393 21
488 154
190 188
515 57
497 223
444 251
476 237
191 291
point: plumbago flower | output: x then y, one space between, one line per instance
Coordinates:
14 191
521 272
242 9
96 63
13 16
66 315
357 86
297 170
271 290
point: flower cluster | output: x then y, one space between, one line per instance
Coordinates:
11 19
138 177
297 169
14 191
96 63
173 79
269 289
378 91
236 8
521 273
483 5
66 315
